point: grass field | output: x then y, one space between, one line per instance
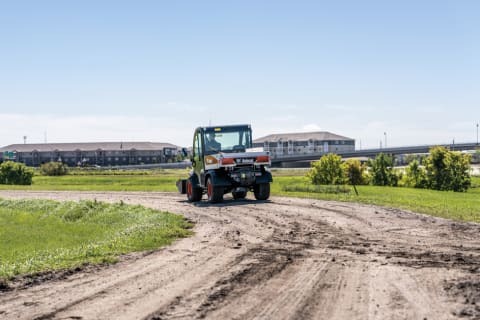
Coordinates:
458 206
43 235
157 180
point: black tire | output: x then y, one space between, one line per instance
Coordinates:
262 191
214 194
239 195
194 194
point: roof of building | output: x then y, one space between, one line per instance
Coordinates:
302 136
87 146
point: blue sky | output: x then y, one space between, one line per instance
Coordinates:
154 70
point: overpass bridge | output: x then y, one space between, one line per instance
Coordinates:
370 153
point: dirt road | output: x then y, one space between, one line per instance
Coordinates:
282 259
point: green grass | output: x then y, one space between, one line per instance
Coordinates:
463 206
44 235
110 172
157 180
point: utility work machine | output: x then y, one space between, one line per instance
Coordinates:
223 161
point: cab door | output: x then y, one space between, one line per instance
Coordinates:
197 158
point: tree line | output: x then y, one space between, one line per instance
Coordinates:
442 170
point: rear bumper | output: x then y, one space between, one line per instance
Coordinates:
246 179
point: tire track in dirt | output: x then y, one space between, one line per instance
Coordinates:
282 259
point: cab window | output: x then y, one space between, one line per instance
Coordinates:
197 145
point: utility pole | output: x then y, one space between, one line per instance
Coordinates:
385 134
24 139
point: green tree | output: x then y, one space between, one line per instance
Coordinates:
447 170
436 168
382 171
415 175
328 170
458 166
355 172
15 173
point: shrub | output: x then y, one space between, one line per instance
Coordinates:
458 166
415 175
436 168
15 173
54 169
382 171
328 170
355 172
447 170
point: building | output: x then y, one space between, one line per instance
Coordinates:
91 153
295 144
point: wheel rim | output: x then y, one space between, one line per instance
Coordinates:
209 190
189 189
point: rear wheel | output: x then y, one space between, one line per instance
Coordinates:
194 194
239 194
262 191
214 194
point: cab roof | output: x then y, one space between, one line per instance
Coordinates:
226 127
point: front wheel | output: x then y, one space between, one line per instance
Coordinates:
214 194
262 191
194 194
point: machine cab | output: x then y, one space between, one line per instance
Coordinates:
222 139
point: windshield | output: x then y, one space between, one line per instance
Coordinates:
227 140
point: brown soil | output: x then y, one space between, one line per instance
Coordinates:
281 259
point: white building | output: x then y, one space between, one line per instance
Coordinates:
294 144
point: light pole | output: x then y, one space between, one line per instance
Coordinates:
385 134
477 134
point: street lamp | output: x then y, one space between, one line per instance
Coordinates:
477 134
